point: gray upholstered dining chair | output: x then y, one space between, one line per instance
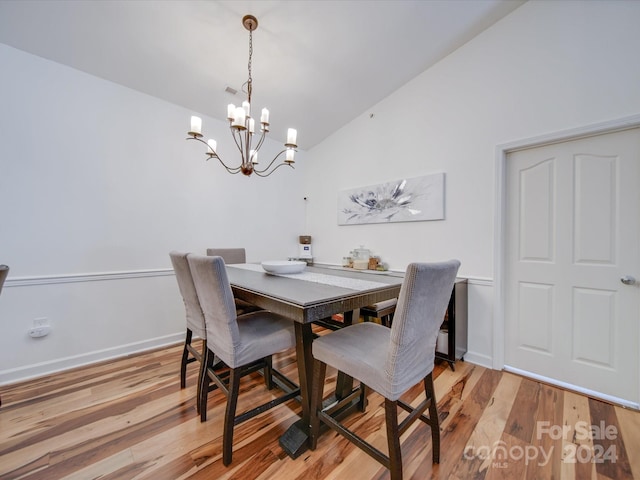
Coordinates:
195 320
4 271
230 256
389 361
245 343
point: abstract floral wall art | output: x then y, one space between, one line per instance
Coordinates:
405 200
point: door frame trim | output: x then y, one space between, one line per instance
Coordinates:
502 150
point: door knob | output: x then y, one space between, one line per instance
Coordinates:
628 280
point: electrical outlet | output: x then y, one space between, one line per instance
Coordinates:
37 332
40 328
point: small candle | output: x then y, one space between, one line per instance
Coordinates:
251 125
231 110
196 125
212 146
289 155
247 107
253 156
239 117
291 136
264 118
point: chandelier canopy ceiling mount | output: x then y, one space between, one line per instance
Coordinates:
243 128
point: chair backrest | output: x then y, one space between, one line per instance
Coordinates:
195 318
422 303
229 255
4 271
216 298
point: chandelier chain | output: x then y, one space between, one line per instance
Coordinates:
250 80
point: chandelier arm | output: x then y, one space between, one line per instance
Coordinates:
198 139
261 172
231 170
262 137
237 137
246 157
271 163
215 154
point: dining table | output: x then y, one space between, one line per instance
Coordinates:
312 296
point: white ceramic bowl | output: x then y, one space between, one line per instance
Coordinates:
283 266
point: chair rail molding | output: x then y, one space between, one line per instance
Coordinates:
86 277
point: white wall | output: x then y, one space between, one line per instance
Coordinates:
548 66
97 178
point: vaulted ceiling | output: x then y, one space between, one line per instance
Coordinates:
316 64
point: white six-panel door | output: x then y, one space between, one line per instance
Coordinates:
572 234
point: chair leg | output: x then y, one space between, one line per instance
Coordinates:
201 372
317 389
207 361
185 357
433 417
229 416
362 403
393 439
268 372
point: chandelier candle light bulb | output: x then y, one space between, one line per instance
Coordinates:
291 136
242 127
289 155
196 126
239 118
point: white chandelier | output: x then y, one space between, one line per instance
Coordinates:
242 126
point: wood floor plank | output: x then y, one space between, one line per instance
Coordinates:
575 413
610 453
477 454
506 463
457 432
129 419
544 456
629 423
523 426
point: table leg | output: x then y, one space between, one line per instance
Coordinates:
344 383
294 440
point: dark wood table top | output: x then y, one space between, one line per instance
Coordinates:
304 301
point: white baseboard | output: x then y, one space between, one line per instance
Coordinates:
575 388
479 359
61 364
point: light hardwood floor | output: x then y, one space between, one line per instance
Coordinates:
128 419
